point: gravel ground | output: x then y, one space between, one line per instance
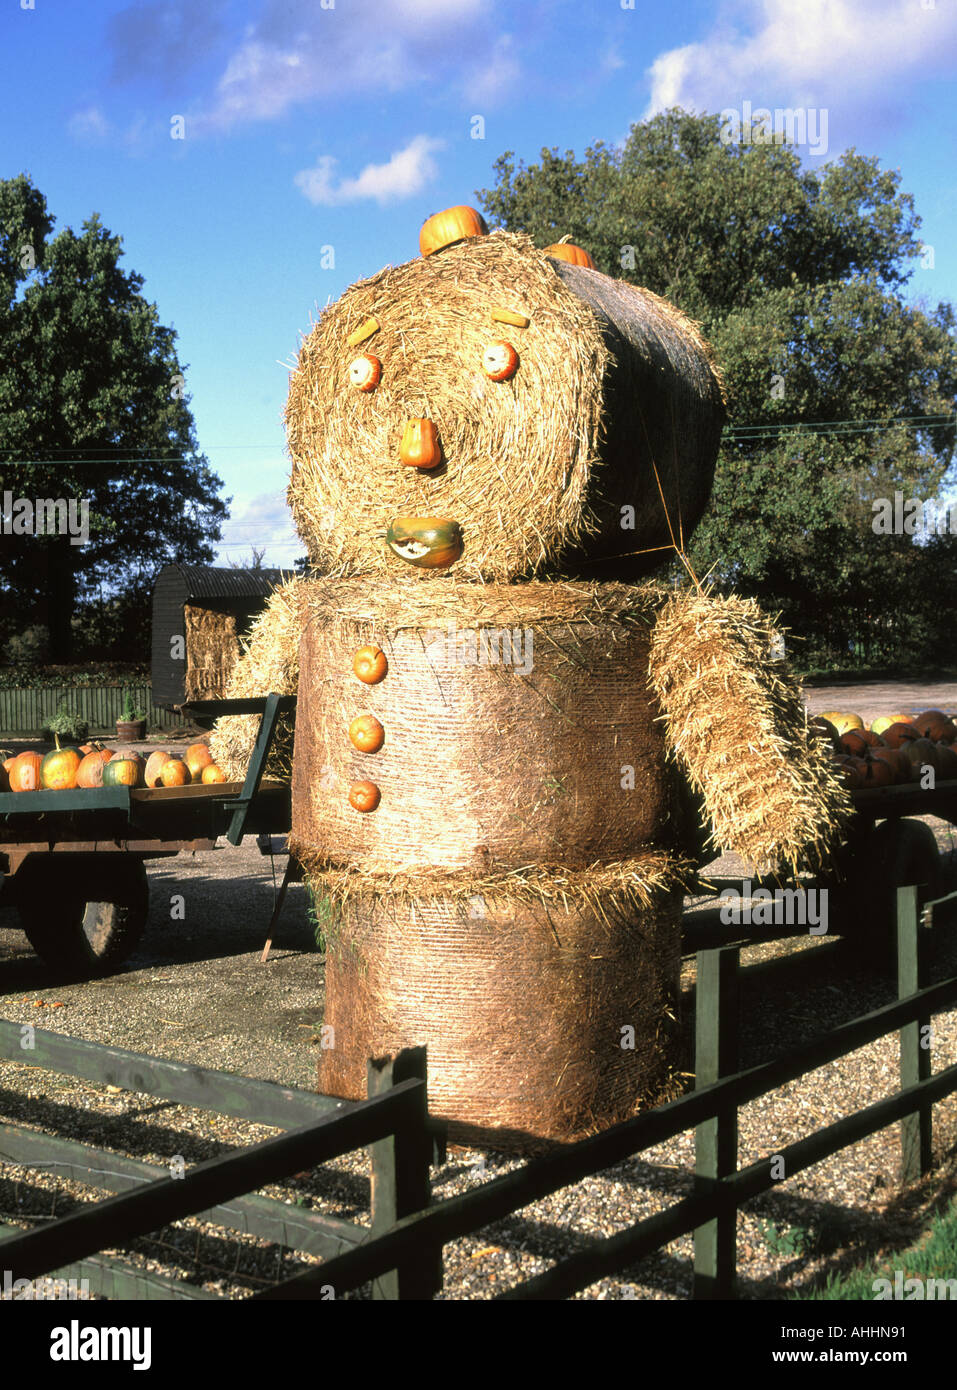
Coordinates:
197 992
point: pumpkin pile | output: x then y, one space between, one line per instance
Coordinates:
92 765
896 749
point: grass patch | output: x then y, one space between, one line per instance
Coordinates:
933 1256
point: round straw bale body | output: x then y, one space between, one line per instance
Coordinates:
519 728
540 1023
603 441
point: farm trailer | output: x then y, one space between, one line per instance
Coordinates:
73 862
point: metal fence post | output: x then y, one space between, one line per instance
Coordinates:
716 1140
400 1178
916 1129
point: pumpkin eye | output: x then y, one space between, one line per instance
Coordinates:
500 360
364 372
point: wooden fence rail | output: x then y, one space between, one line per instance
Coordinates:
403 1255
393 1122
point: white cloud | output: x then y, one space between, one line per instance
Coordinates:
809 51
405 174
297 52
88 125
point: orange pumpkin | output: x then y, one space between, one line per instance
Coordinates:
366 733
420 446
364 796
566 251
449 226
212 773
59 768
90 771
198 756
175 773
899 735
154 766
24 772
370 664
896 761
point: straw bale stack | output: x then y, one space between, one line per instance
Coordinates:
616 404
212 649
513 898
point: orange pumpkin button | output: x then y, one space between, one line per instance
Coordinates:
366 733
369 664
364 796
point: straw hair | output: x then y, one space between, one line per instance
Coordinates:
212 649
543 1021
736 720
532 466
535 741
269 663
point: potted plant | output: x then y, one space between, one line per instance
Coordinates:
65 724
131 724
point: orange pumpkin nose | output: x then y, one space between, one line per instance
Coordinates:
420 446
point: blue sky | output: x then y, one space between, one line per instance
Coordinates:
311 124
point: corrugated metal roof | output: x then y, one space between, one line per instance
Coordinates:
202 581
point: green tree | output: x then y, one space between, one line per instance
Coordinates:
796 277
92 407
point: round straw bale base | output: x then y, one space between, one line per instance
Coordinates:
541 1024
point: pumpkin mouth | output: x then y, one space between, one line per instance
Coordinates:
409 549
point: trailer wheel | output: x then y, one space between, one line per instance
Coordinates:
897 853
87 918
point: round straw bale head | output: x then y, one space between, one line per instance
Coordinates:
602 442
522 1008
518 727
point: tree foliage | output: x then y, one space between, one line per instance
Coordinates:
840 391
92 406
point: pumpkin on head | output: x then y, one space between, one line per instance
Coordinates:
450 226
